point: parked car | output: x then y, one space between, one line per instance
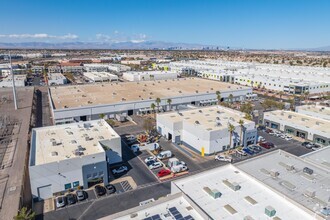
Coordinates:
269 131
256 148
163 172
179 168
316 147
71 198
265 145
288 138
80 195
309 145
164 154
225 158
111 188
120 170
60 201
261 139
151 162
135 148
155 165
150 158
100 190
304 144
241 152
248 151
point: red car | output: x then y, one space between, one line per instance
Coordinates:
163 172
266 145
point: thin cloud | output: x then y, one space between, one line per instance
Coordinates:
40 36
120 37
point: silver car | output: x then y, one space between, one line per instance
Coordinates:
60 201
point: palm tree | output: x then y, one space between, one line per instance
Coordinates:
169 101
241 123
158 102
231 129
231 97
218 97
25 214
281 93
101 116
306 95
153 106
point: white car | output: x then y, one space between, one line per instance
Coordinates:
288 138
261 139
155 165
120 170
223 158
150 159
240 152
283 136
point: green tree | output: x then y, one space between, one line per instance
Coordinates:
231 129
169 102
153 106
248 117
281 93
218 97
246 108
25 214
241 123
231 97
158 102
101 116
306 95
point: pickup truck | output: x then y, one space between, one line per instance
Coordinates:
179 168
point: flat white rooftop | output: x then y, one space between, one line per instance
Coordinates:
55 76
320 158
210 118
60 142
302 120
318 110
142 73
111 93
161 209
250 200
100 75
291 182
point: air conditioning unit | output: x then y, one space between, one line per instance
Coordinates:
310 193
274 173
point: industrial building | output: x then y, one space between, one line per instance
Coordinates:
291 79
86 102
37 69
71 68
320 158
95 67
65 157
206 129
20 81
56 79
149 75
100 76
118 67
317 111
293 178
177 206
304 126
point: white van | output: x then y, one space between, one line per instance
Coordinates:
164 154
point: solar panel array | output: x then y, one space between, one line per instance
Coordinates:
154 217
177 215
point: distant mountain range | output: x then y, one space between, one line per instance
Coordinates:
145 45
105 45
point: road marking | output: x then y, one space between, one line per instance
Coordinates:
126 186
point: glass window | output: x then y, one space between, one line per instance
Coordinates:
101 173
67 186
75 184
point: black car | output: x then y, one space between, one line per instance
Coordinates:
100 190
150 162
111 188
305 143
71 199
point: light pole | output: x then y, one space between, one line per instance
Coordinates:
13 78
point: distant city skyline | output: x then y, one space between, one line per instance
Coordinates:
255 24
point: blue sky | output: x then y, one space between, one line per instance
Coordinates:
235 23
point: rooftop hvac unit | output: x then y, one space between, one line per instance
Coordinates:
54 143
213 193
87 125
274 173
270 211
308 170
309 192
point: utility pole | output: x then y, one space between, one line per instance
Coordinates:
13 78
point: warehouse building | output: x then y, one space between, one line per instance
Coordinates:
64 157
96 67
317 111
118 67
20 81
311 128
291 79
228 193
293 178
56 79
86 102
206 129
149 75
100 76
320 158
